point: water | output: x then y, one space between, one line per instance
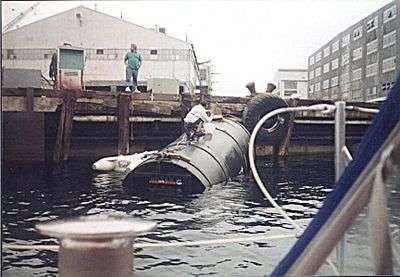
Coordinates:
235 209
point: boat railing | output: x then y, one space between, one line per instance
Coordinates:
389 161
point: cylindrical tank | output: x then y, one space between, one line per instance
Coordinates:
96 245
191 167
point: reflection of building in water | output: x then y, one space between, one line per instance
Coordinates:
361 62
106 39
291 83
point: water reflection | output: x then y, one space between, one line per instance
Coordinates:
236 208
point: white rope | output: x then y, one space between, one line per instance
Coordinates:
320 107
361 109
160 244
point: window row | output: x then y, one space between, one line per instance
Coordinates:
328 83
388 64
325 52
371 25
98 54
370 91
356 75
334 64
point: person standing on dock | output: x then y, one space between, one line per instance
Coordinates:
194 120
133 61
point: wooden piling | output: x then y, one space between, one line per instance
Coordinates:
29 100
124 100
284 146
63 140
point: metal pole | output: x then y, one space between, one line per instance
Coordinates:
95 246
340 142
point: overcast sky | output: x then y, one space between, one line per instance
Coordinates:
246 40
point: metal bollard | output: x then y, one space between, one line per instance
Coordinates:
96 246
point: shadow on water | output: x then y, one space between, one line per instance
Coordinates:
35 194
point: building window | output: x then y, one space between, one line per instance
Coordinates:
335 81
387 86
388 64
289 92
317 71
372 46
345 40
357 53
357 33
335 63
389 39
372 24
389 14
356 74
371 70
311 60
318 57
203 74
325 84
290 84
344 79
326 68
10 54
345 59
345 87
99 51
326 51
371 91
335 46
317 86
311 75
153 52
311 88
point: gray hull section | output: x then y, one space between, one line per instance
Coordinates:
197 165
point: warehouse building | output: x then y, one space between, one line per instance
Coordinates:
105 39
361 62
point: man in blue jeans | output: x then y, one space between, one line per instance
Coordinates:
133 61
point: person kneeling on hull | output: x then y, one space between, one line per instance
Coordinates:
194 120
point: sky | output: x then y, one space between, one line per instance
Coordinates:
245 40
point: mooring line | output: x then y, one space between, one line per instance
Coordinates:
22 247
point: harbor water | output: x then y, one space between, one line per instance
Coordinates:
236 209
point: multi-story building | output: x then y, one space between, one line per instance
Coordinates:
105 39
359 63
291 83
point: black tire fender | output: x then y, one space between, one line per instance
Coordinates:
273 129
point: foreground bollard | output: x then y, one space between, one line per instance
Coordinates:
96 246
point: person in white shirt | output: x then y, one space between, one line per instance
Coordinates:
193 122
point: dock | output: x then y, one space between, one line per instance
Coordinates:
56 125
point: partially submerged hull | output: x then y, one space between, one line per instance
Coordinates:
195 166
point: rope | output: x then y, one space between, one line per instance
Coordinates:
159 244
320 107
361 109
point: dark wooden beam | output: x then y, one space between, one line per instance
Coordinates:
284 147
124 100
29 100
63 140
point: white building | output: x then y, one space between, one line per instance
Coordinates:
291 83
106 39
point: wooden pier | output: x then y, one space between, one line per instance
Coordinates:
40 123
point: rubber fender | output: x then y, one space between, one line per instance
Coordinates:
273 129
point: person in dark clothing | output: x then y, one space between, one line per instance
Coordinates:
53 68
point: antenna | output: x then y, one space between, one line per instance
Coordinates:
21 16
